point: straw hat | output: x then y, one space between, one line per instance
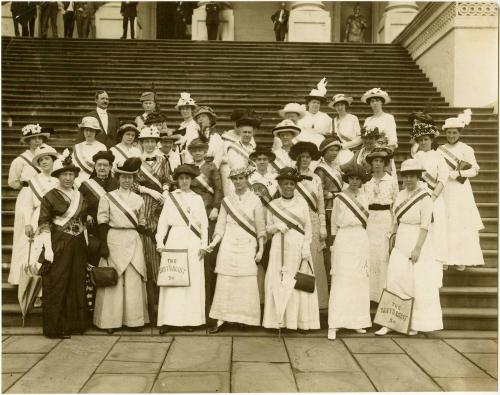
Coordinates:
149 132
340 98
286 126
205 110
293 107
44 150
33 130
461 121
125 128
376 92
242 171
332 141
90 123
411 165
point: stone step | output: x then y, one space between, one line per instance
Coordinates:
469 296
472 277
467 318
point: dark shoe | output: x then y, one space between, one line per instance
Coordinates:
163 329
59 336
136 328
216 329
110 331
187 328
123 38
302 332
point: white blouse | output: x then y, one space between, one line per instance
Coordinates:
283 158
268 180
434 164
342 216
386 124
316 123
383 191
20 170
464 153
419 214
348 130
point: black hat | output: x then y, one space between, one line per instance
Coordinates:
108 155
261 150
304 146
190 170
197 144
67 165
288 173
385 154
238 113
422 117
125 128
155 117
249 120
130 166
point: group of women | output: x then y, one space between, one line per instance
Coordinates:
322 206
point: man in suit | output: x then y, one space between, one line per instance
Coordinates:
108 122
280 19
128 10
82 19
212 21
48 11
69 18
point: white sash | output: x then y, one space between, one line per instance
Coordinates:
38 189
203 180
309 196
451 160
94 187
117 201
150 176
431 181
241 218
239 150
334 177
62 220
288 218
356 208
81 162
28 161
118 151
409 202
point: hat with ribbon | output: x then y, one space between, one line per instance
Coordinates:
126 127
286 126
107 155
129 166
304 146
241 171
149 132
205 110
44 150
147 96
261 150
376 92
293 107
329 142
197 144
185 100
187 169
319 93
340 98
90 123
288 173
412 165
424 129
168 134
33 130
66 165
461 121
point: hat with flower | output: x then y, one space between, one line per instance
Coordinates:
376 92
293 107
424 129
185 100
461 121
241 171
340 98
286 125
67 165
319 93
33 130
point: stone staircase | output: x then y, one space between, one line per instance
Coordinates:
52 82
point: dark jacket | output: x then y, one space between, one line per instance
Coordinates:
212 174
212 11
129 8
276 16
109 138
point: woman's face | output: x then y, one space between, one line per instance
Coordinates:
184 181
148 105
354 182
331 153
313 106
410 180
240 182
203 120
246 133
198 154
186 112
376 104
378 164
126 181
286 138
166 146
292 116
148 145
67 179
262 162
452 135
35 142
89 134
102 168
287 187
128 137
46 163
369 142
305 160
340 107
425 143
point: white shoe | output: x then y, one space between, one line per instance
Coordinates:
383 331
445 267
332 334
461 268
360 330
412 332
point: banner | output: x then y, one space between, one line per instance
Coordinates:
394 312
174 269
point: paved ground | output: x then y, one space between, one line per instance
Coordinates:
236 361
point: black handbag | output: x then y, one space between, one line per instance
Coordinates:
106 276
305 282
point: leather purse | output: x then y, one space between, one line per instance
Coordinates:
105 276
304 281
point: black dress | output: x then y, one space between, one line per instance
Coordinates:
63 281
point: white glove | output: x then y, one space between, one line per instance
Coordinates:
282 227
213 214
454 174
47 243
160 247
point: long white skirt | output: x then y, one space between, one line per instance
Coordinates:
378 225
420 280
123 304
20 243
236 299
439 231
349 305
464 223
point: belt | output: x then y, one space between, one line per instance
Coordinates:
379 207
25 184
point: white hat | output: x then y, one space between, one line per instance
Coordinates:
411 165
33 130
149 132
461 121
338 98
376 92
320 92
293 107
286 125
90 123
185 100
44 150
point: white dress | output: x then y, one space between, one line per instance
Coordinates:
316 123
82 158
462 215
236 156
236 297
123 152
436 167
349 305
422 279
184 306
349 132
302 311
379 224
191 133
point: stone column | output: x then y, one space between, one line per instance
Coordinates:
226 25
309 22
397 15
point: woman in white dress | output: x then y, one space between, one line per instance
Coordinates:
120 218
311 189
435 175
185 221
349 305
381 192
148 102
293 112
289 223
346 127
127 134
188 129
286 131
413 271
21 171
462 214
241 227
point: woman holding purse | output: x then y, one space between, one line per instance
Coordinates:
120 218
184 224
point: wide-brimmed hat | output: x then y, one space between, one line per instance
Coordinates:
90 123
185 100
353 169
304 146
293 107
241 171
129 166
378 153
190 170
459 122
286 126
319 93
370 132
421 117
66 164
126 128
424 129
249 119
44 150
205 110
329 142
154 117
147 96
149 132
197 144
412 165
376 92
168 134
33 130
108 155
340 98
261 150
288 173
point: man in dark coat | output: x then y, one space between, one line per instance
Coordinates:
212 20
128 10
48 11
108 122
280 19
180 20
69 18
17 8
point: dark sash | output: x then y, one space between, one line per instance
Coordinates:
337 181
116 201
357 209
288 218
402 208
195 230
310 197
245 222
29 163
